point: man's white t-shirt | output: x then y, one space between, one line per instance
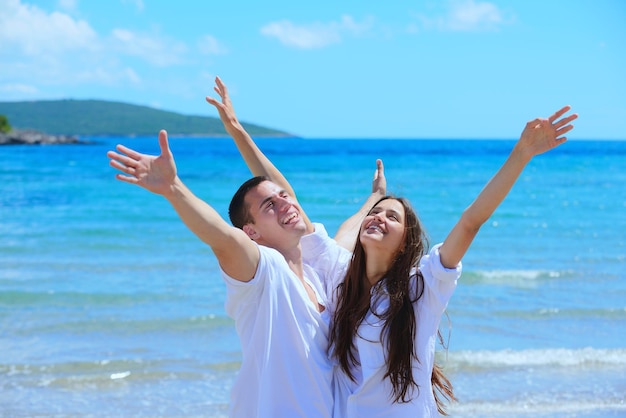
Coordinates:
285 371
329 260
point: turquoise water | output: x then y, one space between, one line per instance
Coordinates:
109 306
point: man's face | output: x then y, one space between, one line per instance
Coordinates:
277 216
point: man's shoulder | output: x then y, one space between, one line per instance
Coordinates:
271 258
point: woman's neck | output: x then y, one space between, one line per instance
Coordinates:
375 267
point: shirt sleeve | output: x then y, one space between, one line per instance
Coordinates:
326 257
439 281
238 293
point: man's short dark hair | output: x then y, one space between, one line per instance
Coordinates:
238 211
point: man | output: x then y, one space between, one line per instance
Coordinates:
279 303
260 165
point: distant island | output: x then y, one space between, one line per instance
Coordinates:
65 121
31 137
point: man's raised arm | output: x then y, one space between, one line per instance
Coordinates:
260 165
256 161
237 254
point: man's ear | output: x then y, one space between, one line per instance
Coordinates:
251 232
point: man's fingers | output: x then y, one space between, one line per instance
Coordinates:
211 100
219 92
125 169
128 152
122 162
219 82
164 144
220 88
126 179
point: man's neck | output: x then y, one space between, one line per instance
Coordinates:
294 260
293 256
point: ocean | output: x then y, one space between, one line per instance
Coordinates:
110 307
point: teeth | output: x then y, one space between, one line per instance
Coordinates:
375 228
289 218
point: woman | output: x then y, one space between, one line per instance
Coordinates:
388 307
386 294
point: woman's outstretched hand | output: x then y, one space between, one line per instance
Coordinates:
541 134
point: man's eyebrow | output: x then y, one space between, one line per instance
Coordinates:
264 201
267 199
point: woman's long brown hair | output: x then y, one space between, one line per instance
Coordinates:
399 319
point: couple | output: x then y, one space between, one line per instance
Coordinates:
343 327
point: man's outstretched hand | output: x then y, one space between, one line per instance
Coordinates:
154 173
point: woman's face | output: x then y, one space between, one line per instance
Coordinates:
383 227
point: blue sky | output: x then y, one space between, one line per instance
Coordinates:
331 69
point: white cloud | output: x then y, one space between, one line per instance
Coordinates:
304 37
35 32
28 31
348 24
209 45
69 5
19 88
132 76
314 35
470 15
463 16
137 3
44 50
152 48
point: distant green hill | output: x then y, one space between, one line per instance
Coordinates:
99 117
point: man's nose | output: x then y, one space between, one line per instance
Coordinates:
283 203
